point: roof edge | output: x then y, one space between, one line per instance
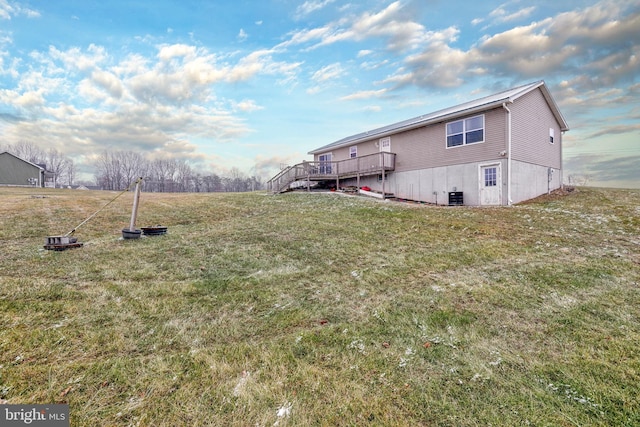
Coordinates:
418 122
21 159
415 125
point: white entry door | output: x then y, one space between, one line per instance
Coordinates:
490 185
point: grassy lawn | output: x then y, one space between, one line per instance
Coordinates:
321 309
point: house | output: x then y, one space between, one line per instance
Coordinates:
497 150
15 171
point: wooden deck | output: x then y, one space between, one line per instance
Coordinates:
374 164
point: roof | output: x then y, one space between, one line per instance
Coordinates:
23 160
481 104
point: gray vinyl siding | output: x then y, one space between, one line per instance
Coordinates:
14 171
342 153
531 120
426 147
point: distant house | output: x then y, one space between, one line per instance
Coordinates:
497 150
15 171
86 187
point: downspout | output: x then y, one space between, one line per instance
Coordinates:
504 105
561 161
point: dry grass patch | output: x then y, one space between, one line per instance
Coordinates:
313 309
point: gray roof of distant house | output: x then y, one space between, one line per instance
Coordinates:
481 104
23 160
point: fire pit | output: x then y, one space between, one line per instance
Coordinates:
158 230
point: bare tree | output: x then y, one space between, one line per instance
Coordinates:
118 170
70 172
132 166
29 151
212 183
184 176
162 172
56 163
108 174
236 181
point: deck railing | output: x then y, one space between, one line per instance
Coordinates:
326 170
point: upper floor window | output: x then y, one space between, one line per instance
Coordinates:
465 131
353 152
551 135
385 145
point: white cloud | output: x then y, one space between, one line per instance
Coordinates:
261 62
439 65
169 52
25 100
330 72
392 24
373 65
310 6
502 15
7 10
242 35
326 77
597 37
365 94
75 59
82 100
31 13
247 105
109 82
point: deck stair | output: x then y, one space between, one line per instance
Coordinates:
374 164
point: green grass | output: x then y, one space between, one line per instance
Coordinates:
317 309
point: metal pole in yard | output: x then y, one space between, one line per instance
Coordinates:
136 199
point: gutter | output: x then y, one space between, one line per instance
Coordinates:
504 105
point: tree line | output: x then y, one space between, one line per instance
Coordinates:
117 170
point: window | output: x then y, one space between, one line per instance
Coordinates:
491 177
353 152
466 131
324 161
385 145
551 134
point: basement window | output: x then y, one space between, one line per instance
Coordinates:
466 131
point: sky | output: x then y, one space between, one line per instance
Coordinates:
256 84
